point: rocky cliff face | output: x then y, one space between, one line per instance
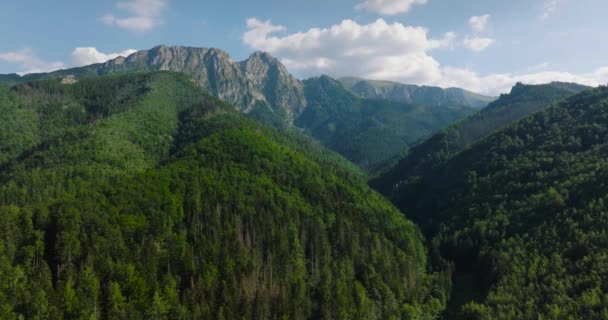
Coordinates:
261 81
260 85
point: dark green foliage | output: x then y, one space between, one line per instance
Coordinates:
526 207
157 201
369 132
521 102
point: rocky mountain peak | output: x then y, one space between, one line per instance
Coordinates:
261 81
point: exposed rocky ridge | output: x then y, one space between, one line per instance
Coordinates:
260 82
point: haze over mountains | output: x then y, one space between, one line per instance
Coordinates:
419 95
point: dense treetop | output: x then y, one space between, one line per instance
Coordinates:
370 132
143 197
527 207
522 101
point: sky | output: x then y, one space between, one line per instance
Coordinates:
484 46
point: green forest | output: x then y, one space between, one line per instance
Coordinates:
142 197
372 133
522 101
523 209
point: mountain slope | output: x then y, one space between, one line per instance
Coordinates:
521 102
260 84
525 209
149 199
411 94
369 132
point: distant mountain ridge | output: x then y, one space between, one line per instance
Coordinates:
371 127
369 132
422 95
258 84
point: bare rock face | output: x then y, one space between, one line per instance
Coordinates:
259 81
270 78
69 79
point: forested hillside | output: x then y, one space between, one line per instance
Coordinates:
369 132
142 197
525 209
372 130
523 100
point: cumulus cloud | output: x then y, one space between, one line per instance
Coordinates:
137 15
479 23
494 84
29 62
376 50
391 51
477 44
388 7
82 56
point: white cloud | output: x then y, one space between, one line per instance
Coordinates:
477 44
384 51
82 56
388 7
549 8
479 23
494 84
375 50
139 15
29 62
449 40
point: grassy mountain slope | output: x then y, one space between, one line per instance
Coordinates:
526 209
521 102
143 197
412 94
369 132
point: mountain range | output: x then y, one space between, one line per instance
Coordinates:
178 184
262 87
259 84
371 132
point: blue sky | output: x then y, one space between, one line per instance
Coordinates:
481 45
